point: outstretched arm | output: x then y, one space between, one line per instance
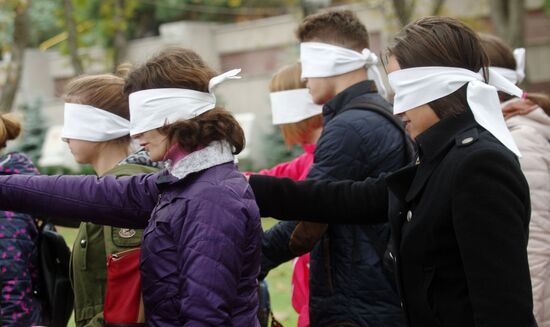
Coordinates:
351 202
120 202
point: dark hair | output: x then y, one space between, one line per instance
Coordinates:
501 55
183 68
441 41
338 27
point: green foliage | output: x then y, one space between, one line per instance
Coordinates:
6 28
58 170
150 14
104 18
44 21
34 130
7 16
547 7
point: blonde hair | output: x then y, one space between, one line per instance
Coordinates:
104 91
10 128
289 78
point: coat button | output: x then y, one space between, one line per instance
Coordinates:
467 140
409 215
83 243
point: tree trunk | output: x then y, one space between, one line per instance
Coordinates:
72 37
15 67
509 19
120 42
437 6
517 23
404 10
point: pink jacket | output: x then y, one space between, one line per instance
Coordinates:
297 169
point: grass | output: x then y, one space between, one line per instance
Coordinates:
278 281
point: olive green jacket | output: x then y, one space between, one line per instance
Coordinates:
89 258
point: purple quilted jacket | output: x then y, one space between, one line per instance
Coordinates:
201 245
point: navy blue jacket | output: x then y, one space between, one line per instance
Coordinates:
347 283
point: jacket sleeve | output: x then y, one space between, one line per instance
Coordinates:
120 202
535 163
490 210
210 248
275 246
290 169
344 202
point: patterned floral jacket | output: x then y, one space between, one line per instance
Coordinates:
18 255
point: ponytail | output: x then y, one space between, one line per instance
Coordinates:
541 100
10 128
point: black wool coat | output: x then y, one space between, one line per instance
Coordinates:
459 221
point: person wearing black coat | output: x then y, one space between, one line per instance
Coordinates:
459 216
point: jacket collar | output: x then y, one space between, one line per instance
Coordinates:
408 182
442 135
216 153
309 148
338 102
141 158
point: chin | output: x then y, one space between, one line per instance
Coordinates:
154 156
320 101
80 161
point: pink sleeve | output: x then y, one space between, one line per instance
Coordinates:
294 169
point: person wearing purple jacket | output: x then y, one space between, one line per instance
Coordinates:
200 254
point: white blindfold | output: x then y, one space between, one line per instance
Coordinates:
514 76
325 60
87 123
417 86
154 108
292 106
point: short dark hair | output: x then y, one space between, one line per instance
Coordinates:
441 41
183 68
501 55
338 27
